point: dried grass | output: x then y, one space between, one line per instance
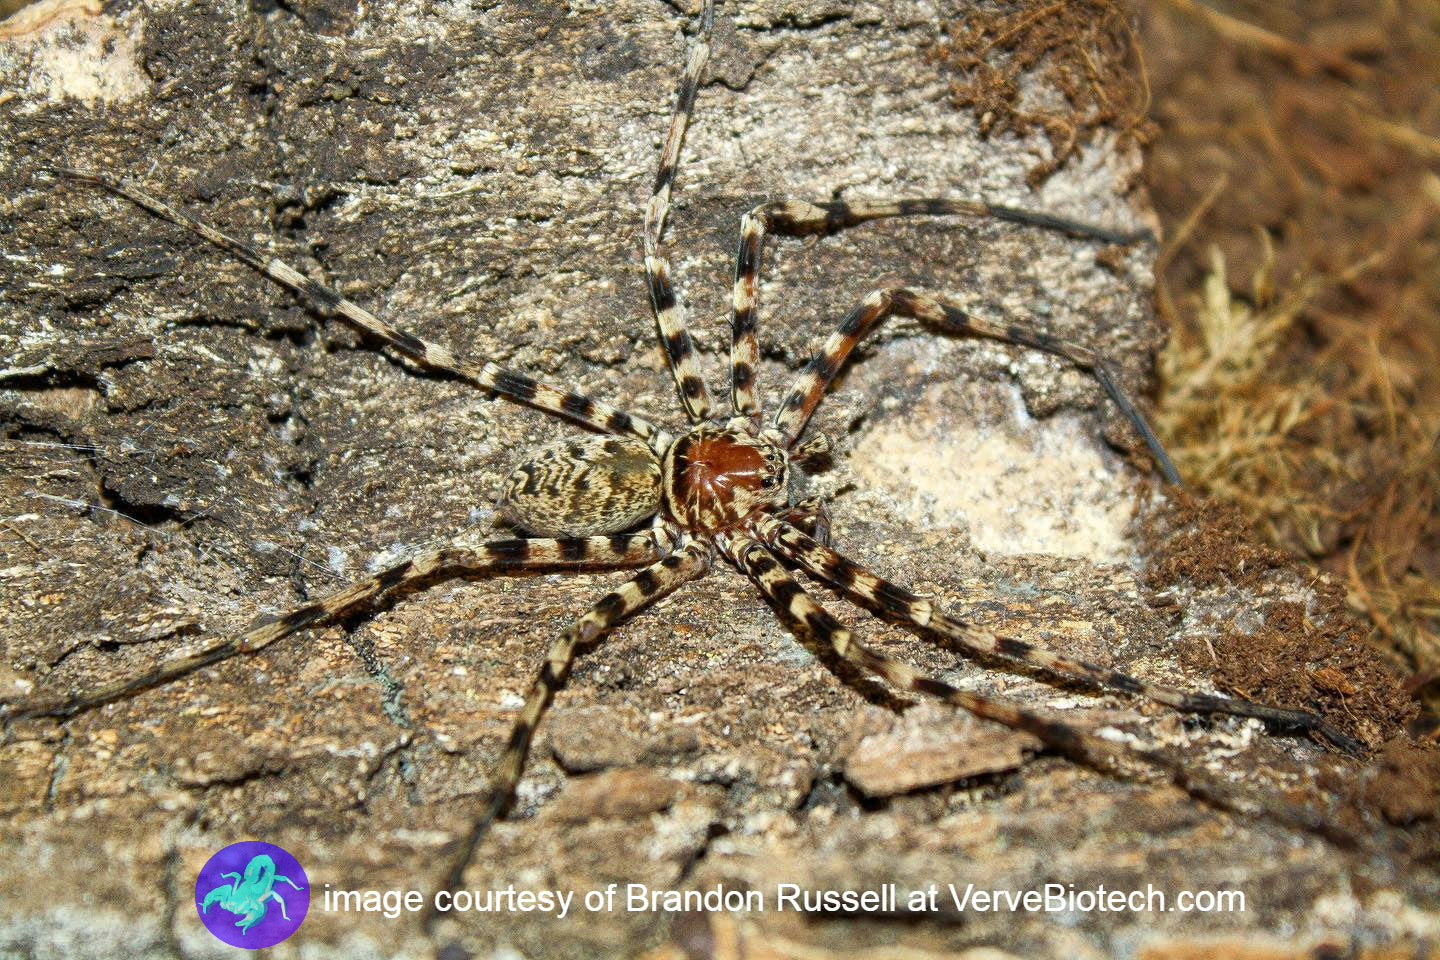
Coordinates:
1243 426
1292 159
1302 379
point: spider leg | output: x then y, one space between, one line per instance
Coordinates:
761 566
501 556
691 561
828 566
811 512
744 305
1087 749
510 384
813 451
810 386
679 348
798 218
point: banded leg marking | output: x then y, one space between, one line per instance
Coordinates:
776 583
745 303
1080 746
812 512
649 585
514 386
674 337
874 591
499 556
798 218
810 386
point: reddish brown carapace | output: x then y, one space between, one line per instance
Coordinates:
716 478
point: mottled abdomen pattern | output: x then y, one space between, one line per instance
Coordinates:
585 487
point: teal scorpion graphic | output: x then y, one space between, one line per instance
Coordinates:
248 894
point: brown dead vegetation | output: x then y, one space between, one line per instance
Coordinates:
1204 542
1294 168
1293 159
1308 655
1086 49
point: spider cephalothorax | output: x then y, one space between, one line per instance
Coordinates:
717 478
720 489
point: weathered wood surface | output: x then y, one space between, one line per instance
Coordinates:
476 172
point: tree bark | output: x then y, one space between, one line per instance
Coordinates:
191 447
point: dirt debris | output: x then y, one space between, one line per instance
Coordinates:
1308 654
1294 170
1087 50
1312 656
1404 783
1204 541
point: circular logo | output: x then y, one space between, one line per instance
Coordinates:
252 894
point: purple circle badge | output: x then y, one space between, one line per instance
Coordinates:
252 894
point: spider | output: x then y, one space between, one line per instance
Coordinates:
633 494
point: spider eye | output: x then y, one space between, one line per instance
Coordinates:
769 482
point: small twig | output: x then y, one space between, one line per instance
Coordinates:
22 535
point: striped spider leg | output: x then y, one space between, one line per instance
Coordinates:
669 318
691 561
802 399
827 565
510 384
765 570
799 218
1085 748
871 590
587 492
497 556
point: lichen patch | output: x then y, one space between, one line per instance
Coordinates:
73 52
970 457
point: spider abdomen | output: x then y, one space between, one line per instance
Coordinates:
585 487
716 478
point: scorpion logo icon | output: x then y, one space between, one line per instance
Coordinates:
249 892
